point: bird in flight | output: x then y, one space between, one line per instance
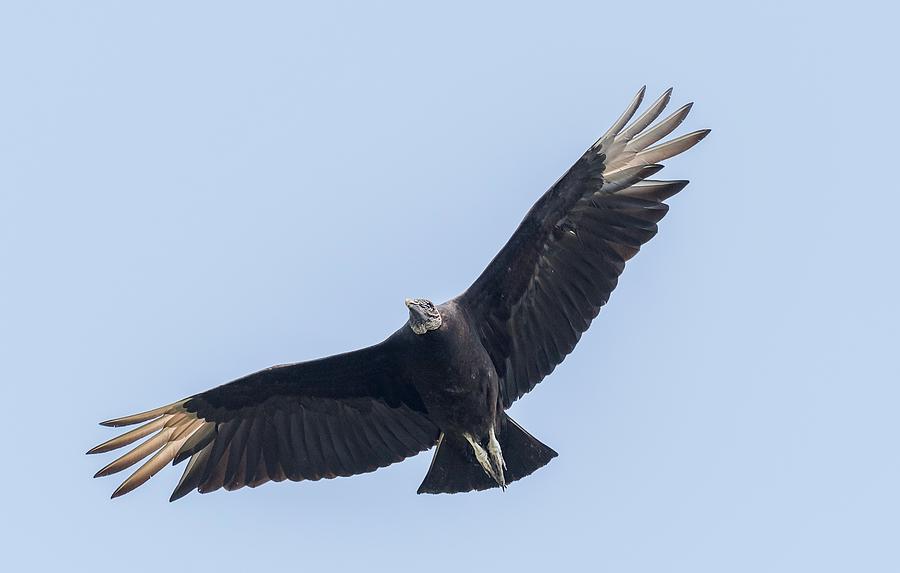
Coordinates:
446 378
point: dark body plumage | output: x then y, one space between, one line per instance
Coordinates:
452 372
448 375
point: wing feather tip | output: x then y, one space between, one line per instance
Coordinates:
109 469
143 416
179 493
695 136
675 188
699 136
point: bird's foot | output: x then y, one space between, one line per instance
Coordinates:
496 453
483 460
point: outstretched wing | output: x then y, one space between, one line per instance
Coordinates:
339 416
547 284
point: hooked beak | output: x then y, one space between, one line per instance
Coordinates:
408 302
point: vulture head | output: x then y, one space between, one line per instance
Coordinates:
423 316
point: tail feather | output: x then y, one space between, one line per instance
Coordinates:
524 454
454 468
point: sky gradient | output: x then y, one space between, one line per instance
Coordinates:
192 192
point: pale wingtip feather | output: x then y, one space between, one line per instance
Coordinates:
150 468
141 416
700 134
639 96
130 436
657 132
627 177
135 455
197 442
672 147
623 119
646 118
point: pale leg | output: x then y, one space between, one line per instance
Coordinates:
497 457
483 460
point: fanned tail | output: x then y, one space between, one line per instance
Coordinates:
454 468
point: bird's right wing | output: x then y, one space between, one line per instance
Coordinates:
546 285
338 416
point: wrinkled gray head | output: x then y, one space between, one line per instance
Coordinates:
423 316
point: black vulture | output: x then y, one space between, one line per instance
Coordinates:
447 376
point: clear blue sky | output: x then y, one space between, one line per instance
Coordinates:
193 191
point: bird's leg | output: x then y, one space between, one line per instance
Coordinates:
483 460
496 453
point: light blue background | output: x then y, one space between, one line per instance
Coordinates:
193 191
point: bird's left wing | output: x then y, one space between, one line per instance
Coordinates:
547 284
338 416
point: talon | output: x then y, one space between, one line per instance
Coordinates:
495 450
497 458
484 461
